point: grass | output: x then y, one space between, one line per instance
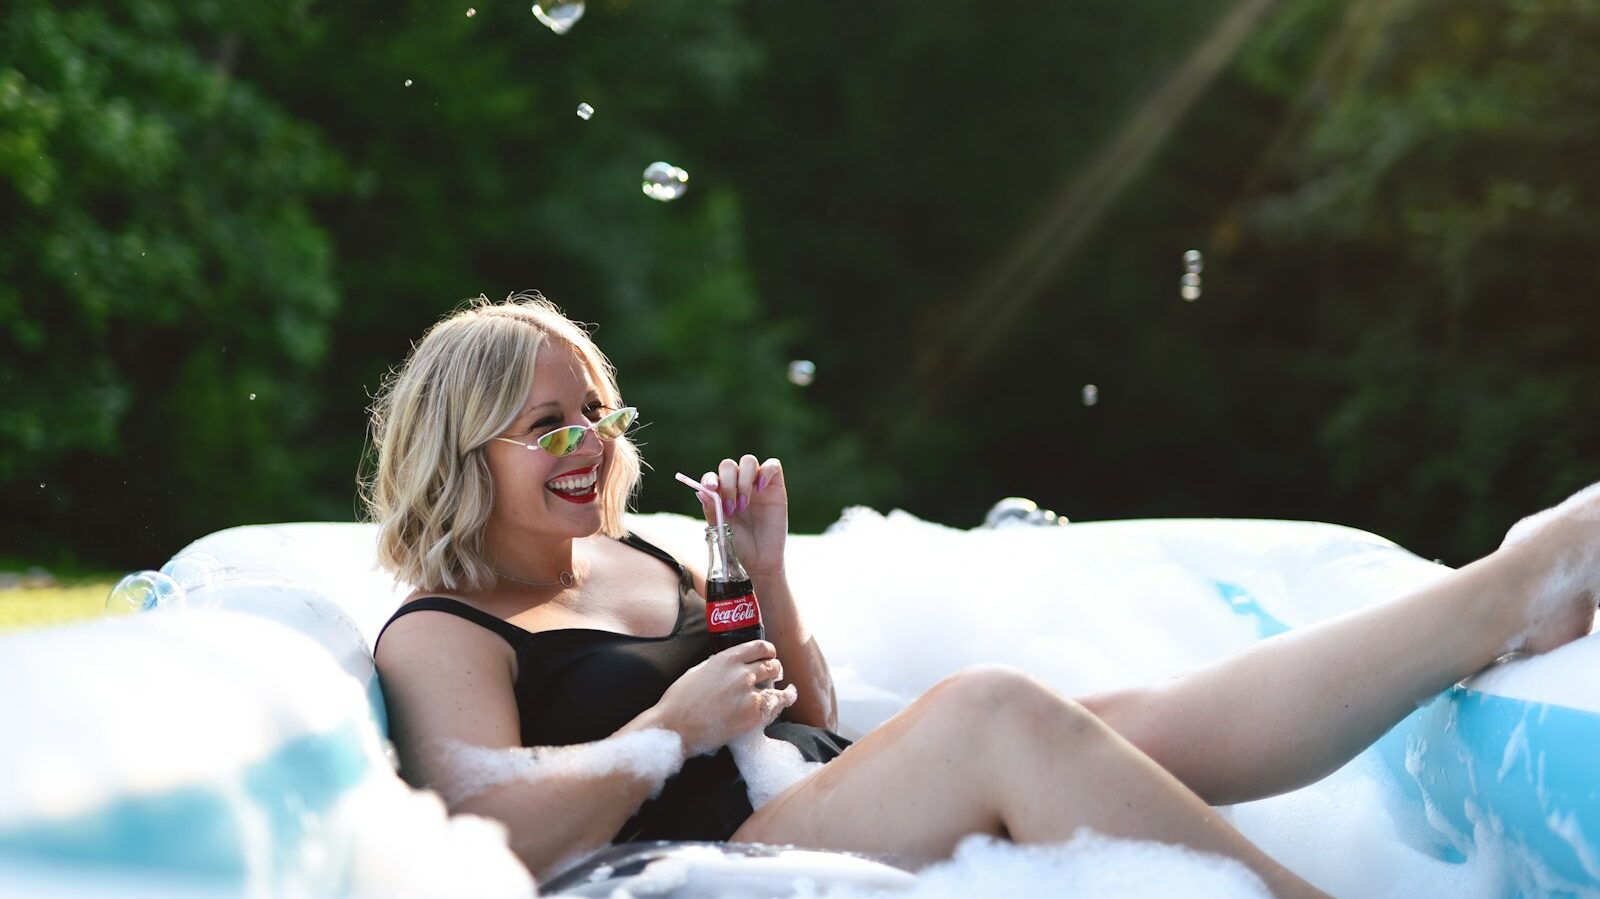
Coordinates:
24 608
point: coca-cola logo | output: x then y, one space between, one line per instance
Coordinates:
733 613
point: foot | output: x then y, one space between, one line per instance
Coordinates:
1560 552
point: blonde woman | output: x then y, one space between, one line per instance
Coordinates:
503 470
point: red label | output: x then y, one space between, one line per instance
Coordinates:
732 613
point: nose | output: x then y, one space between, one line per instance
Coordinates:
589 448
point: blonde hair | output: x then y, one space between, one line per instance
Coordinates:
464 383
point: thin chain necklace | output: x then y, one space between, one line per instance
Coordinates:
566 580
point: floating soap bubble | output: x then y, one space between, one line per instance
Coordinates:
584 111
1193 262
802 372
252 396
144 591
1091 394
665 182
1189 287
408 82
471 13
557 16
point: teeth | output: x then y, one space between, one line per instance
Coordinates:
574 483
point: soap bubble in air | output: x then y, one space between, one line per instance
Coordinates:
802 372
1091 394
471 13
1189 287
557 16
584 111
408 82
252 396
1193 262
144 591
665 182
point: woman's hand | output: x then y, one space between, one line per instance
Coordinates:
724 696
756 502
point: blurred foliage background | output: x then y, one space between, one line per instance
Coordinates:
224 221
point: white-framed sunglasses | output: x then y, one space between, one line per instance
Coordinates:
565 440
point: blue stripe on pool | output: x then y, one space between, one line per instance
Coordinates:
1242 603
195 830
380 712
1528 765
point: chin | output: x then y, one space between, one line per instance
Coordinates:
585 523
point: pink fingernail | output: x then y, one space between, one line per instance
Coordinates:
761 482
744 503
727 507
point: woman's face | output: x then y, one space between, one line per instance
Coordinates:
535 492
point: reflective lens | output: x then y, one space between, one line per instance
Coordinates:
563 441
617 423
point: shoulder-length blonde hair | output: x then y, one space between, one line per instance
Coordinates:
464 383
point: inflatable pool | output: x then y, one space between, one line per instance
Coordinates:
235 746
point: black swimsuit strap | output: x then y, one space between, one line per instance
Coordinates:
512 634
645 546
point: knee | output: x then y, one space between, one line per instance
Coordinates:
1000 694
988 686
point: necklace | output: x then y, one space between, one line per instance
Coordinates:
566 579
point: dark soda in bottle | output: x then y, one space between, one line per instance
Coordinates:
732 614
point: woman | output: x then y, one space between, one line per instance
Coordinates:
502 475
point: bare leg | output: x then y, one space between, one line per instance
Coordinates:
993 751
1294 708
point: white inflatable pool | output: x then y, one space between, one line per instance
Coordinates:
236 747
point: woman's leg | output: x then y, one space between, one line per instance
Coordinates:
993 751
1294 708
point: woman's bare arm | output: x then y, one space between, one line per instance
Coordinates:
448 682
453 711
803 663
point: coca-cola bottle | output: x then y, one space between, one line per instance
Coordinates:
732 614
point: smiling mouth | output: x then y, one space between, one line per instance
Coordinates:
579 486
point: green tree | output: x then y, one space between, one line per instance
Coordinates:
1438 222
165 289
479 177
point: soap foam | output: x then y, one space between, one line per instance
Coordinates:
769 766
1576 572
1090 864
1340 835
654 755
406 844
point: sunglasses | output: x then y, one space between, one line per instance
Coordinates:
565 441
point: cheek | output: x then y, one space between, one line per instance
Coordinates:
518 476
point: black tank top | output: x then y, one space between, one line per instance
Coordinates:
578 685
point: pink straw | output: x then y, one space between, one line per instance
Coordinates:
707 492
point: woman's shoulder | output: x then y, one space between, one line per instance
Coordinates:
431 626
